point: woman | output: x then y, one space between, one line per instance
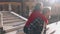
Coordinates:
47 13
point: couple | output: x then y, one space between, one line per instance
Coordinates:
38 20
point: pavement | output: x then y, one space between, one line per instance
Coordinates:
54 28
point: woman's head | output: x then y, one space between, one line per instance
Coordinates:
47 12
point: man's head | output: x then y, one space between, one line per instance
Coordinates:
47 12
39 6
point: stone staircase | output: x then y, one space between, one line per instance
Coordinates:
11 21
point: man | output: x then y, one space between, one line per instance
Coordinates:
36 21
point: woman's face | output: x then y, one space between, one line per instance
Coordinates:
48 14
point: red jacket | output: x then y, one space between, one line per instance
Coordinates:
35 14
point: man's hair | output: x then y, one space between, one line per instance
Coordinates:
46 9
37 7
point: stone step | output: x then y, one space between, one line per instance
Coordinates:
20 31
11 18
11 28
15 23
12 21
16 32
5 12
4 16
8 15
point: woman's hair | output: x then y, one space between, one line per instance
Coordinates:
45 10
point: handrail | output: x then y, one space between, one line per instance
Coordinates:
19 16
